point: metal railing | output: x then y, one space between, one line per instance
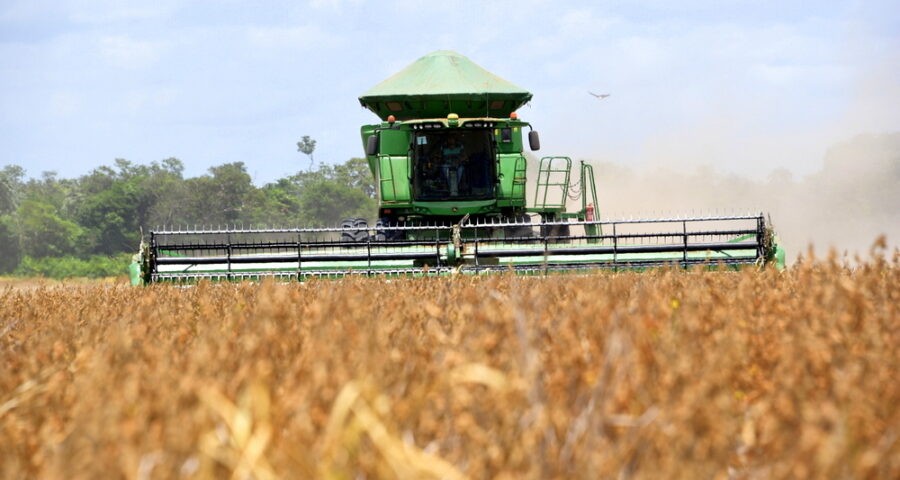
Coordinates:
481 245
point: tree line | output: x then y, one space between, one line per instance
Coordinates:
87 226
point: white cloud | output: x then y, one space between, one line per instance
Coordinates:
335 5
643 52
125 52
100 13
304 37
584 21
138 101
91 12
64 104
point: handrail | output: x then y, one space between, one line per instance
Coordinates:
545 171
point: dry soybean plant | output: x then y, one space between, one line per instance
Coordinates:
667 374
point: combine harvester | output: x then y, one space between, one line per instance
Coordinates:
450 174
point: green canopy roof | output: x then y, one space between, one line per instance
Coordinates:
440 83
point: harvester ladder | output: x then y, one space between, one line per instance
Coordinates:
589 187
553 177
519 179
588 184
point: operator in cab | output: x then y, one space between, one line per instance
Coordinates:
453 165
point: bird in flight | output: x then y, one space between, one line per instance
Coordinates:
600 96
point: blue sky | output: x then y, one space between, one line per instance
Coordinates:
745 86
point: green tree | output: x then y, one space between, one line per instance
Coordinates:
355 174
276 203
219 198
49 189
307 146
327 201
56 226
326 195
114 203
10 187
44 233
165 184
10 248
108 218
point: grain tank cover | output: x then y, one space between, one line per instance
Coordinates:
440 83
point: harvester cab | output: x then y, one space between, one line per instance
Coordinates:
450 171
449 143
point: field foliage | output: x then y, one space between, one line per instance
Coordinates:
669 374
95 266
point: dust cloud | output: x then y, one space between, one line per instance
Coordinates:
846 205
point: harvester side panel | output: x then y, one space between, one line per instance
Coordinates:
511 180
393 180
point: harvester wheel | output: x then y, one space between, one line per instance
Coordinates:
382 235
560 233
522 231
354 230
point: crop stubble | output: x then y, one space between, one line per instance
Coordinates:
668 374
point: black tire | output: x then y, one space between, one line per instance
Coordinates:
564 234
362 229
558 233
354 230
383 235
521 231
347 230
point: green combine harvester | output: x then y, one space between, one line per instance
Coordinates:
450 173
